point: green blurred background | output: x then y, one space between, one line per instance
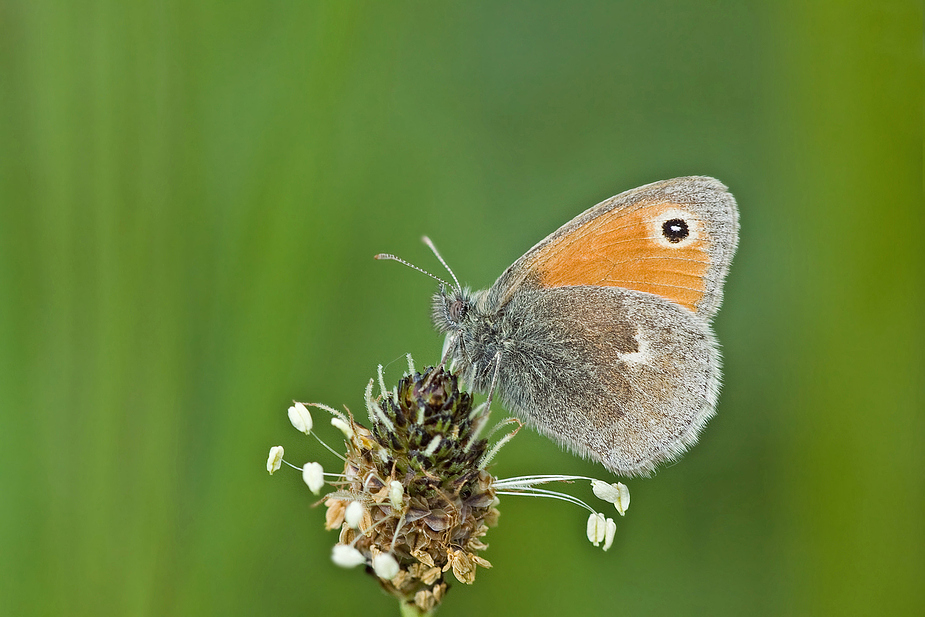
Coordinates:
191 196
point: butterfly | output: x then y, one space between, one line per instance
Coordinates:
600 335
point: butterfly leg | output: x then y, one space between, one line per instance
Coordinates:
448 349
494 381
484 410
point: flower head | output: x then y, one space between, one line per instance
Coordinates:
414 475
414 500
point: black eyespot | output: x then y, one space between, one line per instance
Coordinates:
458 310
675 230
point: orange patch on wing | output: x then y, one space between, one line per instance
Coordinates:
626 249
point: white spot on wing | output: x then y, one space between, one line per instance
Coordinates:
642 356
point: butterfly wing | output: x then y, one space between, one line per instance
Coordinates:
673 238
623 377
607 344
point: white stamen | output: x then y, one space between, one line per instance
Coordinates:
385 566
343 426
597 528
396 494
313 476
275 460
347 556
354 514
609 533
615 493
300 417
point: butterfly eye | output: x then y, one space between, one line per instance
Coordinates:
458 310
675 230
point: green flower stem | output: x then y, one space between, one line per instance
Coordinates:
410 609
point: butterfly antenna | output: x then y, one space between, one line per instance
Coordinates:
433 248
411 265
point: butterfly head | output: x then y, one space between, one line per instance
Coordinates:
462 315
451 308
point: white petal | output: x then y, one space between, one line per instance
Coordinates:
275 459
300 417
609 533
396 493
347 556
385 566
354 514
597 528
313 475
